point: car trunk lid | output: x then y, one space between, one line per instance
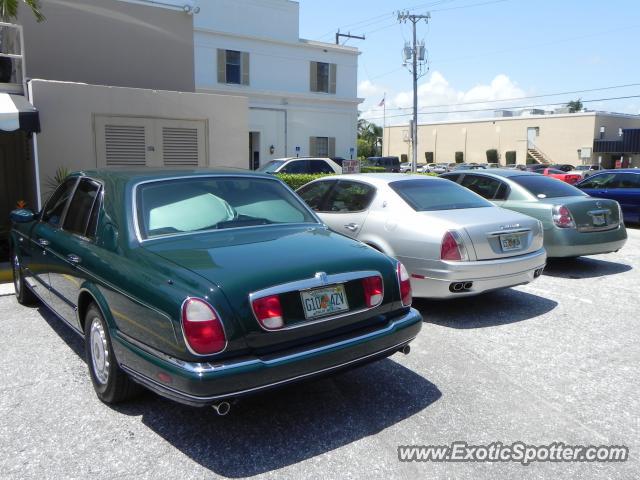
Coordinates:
245 261
495 232
589 214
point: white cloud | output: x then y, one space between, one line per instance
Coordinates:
434 92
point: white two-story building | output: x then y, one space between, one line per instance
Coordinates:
302 94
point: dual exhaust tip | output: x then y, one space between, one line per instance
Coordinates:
459 287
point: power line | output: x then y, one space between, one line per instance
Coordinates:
506 108
612 87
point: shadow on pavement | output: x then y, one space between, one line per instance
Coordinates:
491 309
282 427
583 267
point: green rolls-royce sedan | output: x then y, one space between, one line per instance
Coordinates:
204 286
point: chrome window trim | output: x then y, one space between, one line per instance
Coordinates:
63 216
309 284
184 337
136 222
100 194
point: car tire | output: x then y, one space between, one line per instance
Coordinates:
24 295
112 385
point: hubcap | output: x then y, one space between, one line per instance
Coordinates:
99 351
16 275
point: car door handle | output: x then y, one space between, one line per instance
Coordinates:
42 242
73 258
352 226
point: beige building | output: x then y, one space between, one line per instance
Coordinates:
556 138
113 85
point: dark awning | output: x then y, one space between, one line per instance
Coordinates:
16 113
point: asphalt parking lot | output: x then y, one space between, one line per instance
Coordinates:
556 360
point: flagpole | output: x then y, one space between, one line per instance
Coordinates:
384 120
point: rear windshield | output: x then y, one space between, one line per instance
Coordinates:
428 195
545 187
215 203
271 167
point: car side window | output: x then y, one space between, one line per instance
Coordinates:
54 208
453 178
486 187
319 166
79 213
349 196
599 181
295 166
628 180
314 194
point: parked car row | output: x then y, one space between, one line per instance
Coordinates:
208 286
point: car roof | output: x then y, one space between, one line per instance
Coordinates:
619 170
383 178
500 172
119 174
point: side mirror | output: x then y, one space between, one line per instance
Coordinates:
22 215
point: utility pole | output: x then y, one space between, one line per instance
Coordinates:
347 35
416 54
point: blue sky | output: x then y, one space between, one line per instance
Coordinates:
483 50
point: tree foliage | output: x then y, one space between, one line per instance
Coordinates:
575 106
368 134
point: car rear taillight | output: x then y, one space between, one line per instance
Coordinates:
268 311
452 247
405 285
373 291
573 179
562 217
202 327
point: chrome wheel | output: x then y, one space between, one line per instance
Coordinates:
17 282
100 360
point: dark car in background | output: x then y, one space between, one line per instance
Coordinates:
206 285
390 164
621 185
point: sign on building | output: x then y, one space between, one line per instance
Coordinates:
351 166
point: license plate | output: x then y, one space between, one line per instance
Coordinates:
599 220
510 242
324 301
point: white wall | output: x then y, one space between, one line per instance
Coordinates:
276 19
275 67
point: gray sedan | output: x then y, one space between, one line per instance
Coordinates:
452 241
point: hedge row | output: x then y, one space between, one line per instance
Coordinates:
296 180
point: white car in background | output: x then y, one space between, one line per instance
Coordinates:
301 165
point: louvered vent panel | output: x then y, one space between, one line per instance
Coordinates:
180 147
125 145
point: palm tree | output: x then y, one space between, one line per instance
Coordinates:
9 9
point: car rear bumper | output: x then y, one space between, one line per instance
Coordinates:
486 275
201 384
571 243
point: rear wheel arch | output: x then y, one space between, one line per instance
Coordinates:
88 297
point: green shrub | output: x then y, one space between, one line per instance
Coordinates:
428 156
296 180
367 169
510 157
492 155
459 157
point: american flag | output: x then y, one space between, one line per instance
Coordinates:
381 104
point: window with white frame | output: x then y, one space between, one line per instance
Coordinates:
322 147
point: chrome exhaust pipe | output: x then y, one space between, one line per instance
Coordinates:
468 285
406 350
458 286
222 408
